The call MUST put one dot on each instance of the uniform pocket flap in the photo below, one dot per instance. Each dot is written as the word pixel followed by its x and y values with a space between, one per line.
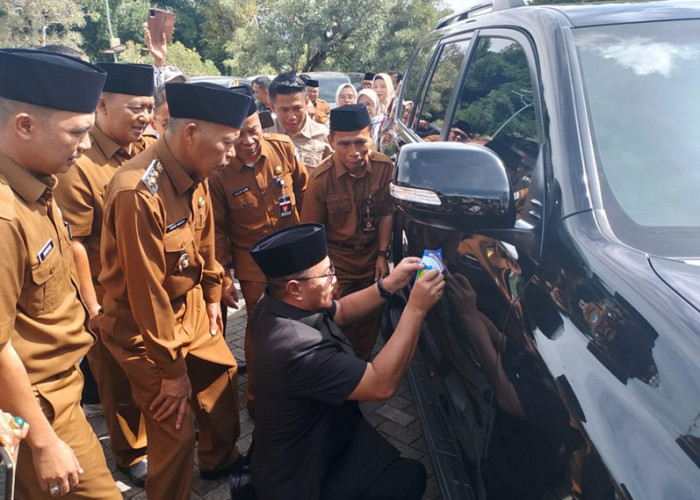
pixel 177 240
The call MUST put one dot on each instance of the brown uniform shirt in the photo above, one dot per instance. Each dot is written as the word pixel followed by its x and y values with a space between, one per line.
pixel 247 205
pixel 80 191
pixel 343 203
pixel 40 310
pixel 323 111
pixel 157 246
pixel 311 142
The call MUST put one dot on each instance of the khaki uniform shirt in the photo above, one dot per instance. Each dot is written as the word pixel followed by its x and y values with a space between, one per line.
pixel 323 111
pixel 342 202
pixel 40 310
pixel 311 142
pixel 80 191
pixel 246 203
pixel 157 247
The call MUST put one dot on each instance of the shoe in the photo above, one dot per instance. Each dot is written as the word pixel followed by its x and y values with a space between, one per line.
pixel 238 466
pixel 92 410
pixel 136 473
pixel 241 486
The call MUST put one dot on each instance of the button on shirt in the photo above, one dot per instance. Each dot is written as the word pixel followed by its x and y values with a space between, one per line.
pixel 302 417
pixel 311 142
pixel 40 310
pixel 80 191
pixel 247 202
pixel 156 247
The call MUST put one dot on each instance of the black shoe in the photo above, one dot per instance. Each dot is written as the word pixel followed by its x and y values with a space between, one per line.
pixel 136 473
pixel 241 486
pixel 240 465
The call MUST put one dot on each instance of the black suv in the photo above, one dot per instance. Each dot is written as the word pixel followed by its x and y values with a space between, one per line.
pixel 552 154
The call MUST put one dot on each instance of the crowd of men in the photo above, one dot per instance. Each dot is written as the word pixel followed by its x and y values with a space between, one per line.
pixel 125 212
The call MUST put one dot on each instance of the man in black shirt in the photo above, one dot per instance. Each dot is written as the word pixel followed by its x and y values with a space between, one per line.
pixel 310 440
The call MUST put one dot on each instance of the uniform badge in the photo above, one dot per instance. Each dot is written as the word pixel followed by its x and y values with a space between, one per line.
pixel 285 204
pixel 45 250
pixel 279 170
pixel 175 225
pixel 202 202
pixel 240 191
pixel 184 262
pixel 151 177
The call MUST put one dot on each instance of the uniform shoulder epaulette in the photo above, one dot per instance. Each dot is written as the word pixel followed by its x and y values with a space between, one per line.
pixel 7 200
pixel 271 136
pixel 380 157
pixel 149 137
pixel 151 178
pixel 325 165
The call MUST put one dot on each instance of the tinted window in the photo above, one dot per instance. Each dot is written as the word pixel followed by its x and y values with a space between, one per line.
pixel 641 84
pixel 441 88
pixel 496 109
pixel 414 78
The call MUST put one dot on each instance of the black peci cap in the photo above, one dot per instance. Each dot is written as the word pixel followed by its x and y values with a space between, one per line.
pixel 132 79
pixel 50 80
pixel 290 250
pixel 246 90
pixel 208 102
pixel 312 83
pixel 349 118
pixel 368 76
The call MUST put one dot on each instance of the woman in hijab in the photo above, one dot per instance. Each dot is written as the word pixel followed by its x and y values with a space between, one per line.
pixel 369 98
pixel 385 91
pixel 345 94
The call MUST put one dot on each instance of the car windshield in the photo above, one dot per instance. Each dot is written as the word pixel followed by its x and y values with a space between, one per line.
pixel 641 84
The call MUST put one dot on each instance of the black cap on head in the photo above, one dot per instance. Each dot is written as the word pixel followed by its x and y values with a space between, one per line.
pixel 290 250
pixel 349 118
pixel 246 90
pixel 368 76
pixel 132 79
pixel 50 80
pixel 208 102
pixel 312 83
pixel 462 125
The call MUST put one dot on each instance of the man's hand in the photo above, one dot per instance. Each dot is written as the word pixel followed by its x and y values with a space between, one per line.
pixel 216 322
pixel 402 274
pixel 157 49
pixel 56 465
pixel 230 296
pixel 173 399
pixel 427 291
pixel 381 268
pixel 10 434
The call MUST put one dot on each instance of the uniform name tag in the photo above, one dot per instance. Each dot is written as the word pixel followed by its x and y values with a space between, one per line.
pixel 175 225
pixel 45 250
pixel 240 191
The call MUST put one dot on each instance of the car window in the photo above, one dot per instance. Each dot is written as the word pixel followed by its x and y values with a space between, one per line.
pixel 414 78
pixel 496 109
pixel 440 90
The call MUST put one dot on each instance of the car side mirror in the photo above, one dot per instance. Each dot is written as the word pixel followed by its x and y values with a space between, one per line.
pixel 453 185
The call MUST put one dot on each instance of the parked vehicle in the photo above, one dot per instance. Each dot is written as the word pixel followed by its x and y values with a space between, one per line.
pixel 224 81
pixel 328 82
pixel 551 153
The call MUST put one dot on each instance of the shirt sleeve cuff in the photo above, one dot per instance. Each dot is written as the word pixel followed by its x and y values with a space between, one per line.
pixel 173 370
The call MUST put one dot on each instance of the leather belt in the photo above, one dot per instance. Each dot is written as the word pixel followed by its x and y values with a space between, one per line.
pixel 348 246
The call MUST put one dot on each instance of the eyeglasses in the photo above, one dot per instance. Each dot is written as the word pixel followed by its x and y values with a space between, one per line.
pixel 346 97
pixel 329 274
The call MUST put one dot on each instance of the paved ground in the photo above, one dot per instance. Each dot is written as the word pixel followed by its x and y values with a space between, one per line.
pixel 396 419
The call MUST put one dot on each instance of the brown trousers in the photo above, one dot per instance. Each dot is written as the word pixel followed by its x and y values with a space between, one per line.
pixel 362 333
pixel 60 401
pixel 214 404
pixel 252 291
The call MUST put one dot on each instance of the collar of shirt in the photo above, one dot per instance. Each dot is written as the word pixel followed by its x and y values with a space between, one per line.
pixel 237 163
pixel 339 169
pixel 182 181
pixel 29 186
pixel 310 318
pixel 109 148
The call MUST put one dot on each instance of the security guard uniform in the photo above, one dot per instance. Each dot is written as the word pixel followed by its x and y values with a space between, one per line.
pixel 311 142
pixel 158 271
pixel 249 202
pixel 350 207
pixel 80 194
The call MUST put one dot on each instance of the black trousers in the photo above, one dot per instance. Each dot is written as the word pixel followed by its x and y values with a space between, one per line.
pixel 402 480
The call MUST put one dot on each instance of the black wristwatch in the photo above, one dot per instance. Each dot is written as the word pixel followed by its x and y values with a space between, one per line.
pixel 383 253
pixel 385 294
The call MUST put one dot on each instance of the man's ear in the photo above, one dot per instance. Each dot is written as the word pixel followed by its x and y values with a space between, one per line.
pixel 330 140
pixel 190 132
pixel 293 290
pixel 101 106
pixel 24 125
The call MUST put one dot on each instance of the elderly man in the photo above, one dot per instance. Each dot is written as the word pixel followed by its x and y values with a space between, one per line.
pixel 287 93
pixel 123 112
pixel 46 110
pixel 258 192
pixel 349 193
pixel 162 320
pixel 310 437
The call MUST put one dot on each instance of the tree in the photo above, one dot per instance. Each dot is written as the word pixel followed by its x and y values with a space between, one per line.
pixel 188 60
pixel 32 23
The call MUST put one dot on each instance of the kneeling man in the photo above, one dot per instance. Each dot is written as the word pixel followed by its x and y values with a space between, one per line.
pixel 310 437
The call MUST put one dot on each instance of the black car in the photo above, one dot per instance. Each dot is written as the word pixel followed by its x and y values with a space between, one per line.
pixel 562 179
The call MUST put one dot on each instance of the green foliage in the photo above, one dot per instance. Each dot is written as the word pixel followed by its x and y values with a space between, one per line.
pixel 32 23
pixel 188 60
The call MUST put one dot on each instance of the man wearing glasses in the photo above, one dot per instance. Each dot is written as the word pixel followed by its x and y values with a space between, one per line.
pixel 310 437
